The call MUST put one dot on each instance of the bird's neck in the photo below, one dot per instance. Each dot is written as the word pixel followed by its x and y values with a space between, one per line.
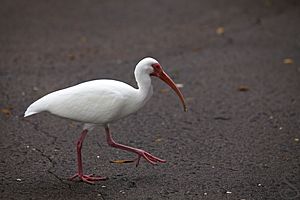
pixel 144 86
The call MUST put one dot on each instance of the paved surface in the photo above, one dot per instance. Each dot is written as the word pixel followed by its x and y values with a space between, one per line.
pixel 231 144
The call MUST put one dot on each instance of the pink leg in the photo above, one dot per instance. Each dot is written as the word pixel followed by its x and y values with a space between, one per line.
pixel 86 178
pixel 141 153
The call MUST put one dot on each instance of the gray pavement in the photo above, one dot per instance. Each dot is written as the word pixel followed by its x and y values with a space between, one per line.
pixel 238 62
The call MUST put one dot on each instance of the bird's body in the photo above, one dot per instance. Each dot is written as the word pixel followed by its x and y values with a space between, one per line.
pixel 94 102
pixel 101 102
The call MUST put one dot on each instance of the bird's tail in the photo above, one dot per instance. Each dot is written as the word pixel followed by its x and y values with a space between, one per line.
pixel 36 107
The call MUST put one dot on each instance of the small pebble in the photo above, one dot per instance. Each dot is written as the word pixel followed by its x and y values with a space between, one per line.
pixel 259 185
pixel 98 156
pixel 18 179
pixel 228 192
pixel 103 186
pixel 179 85
pixel 27 146
pixel 35 88
pixel 124 179
pixel 280 128
pixel 205 193
pixel 296 139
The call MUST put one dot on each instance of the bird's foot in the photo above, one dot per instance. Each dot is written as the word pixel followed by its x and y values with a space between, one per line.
pixel 141 153
pixel 148 157
pixel 87 178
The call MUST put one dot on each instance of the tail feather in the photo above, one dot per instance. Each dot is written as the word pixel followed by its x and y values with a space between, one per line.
pixel 28 113
pixel 36 107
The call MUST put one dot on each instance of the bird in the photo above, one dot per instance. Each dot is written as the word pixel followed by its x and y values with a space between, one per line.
pixel 102 102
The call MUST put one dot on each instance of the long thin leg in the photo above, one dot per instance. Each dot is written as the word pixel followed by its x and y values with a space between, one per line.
pixel 85 178
pixel 141 153
pixel 79 147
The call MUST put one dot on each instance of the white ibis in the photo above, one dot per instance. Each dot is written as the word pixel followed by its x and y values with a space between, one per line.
pixel 101 102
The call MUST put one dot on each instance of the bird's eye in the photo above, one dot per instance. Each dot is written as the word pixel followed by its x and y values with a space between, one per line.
pixel 155 66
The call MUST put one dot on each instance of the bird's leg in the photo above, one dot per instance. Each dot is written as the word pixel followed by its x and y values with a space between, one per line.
pixel 141 153
pixel 86 178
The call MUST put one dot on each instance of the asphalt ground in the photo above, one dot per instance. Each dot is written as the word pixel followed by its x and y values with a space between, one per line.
pixel 238 62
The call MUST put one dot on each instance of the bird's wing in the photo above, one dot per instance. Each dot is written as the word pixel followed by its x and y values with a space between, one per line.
pixel 93 102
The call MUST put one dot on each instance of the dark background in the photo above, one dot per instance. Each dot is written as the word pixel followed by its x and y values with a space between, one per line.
pixel 238 62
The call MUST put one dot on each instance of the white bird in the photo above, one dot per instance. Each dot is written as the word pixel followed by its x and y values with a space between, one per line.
pixel 101 102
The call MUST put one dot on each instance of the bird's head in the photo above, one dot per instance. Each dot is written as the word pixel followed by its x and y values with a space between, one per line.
pixel 153 68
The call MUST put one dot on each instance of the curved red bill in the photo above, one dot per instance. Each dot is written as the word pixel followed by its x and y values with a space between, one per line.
pixel 164 77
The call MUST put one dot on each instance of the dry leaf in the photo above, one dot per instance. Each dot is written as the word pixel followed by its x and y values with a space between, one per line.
pixel 164 90
pixel 71 56
pixel 121 161
pixel 72 125
pixel 196 49
pixel 7 111
pixel 220 30
pixel 243 88
pixel 288 61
